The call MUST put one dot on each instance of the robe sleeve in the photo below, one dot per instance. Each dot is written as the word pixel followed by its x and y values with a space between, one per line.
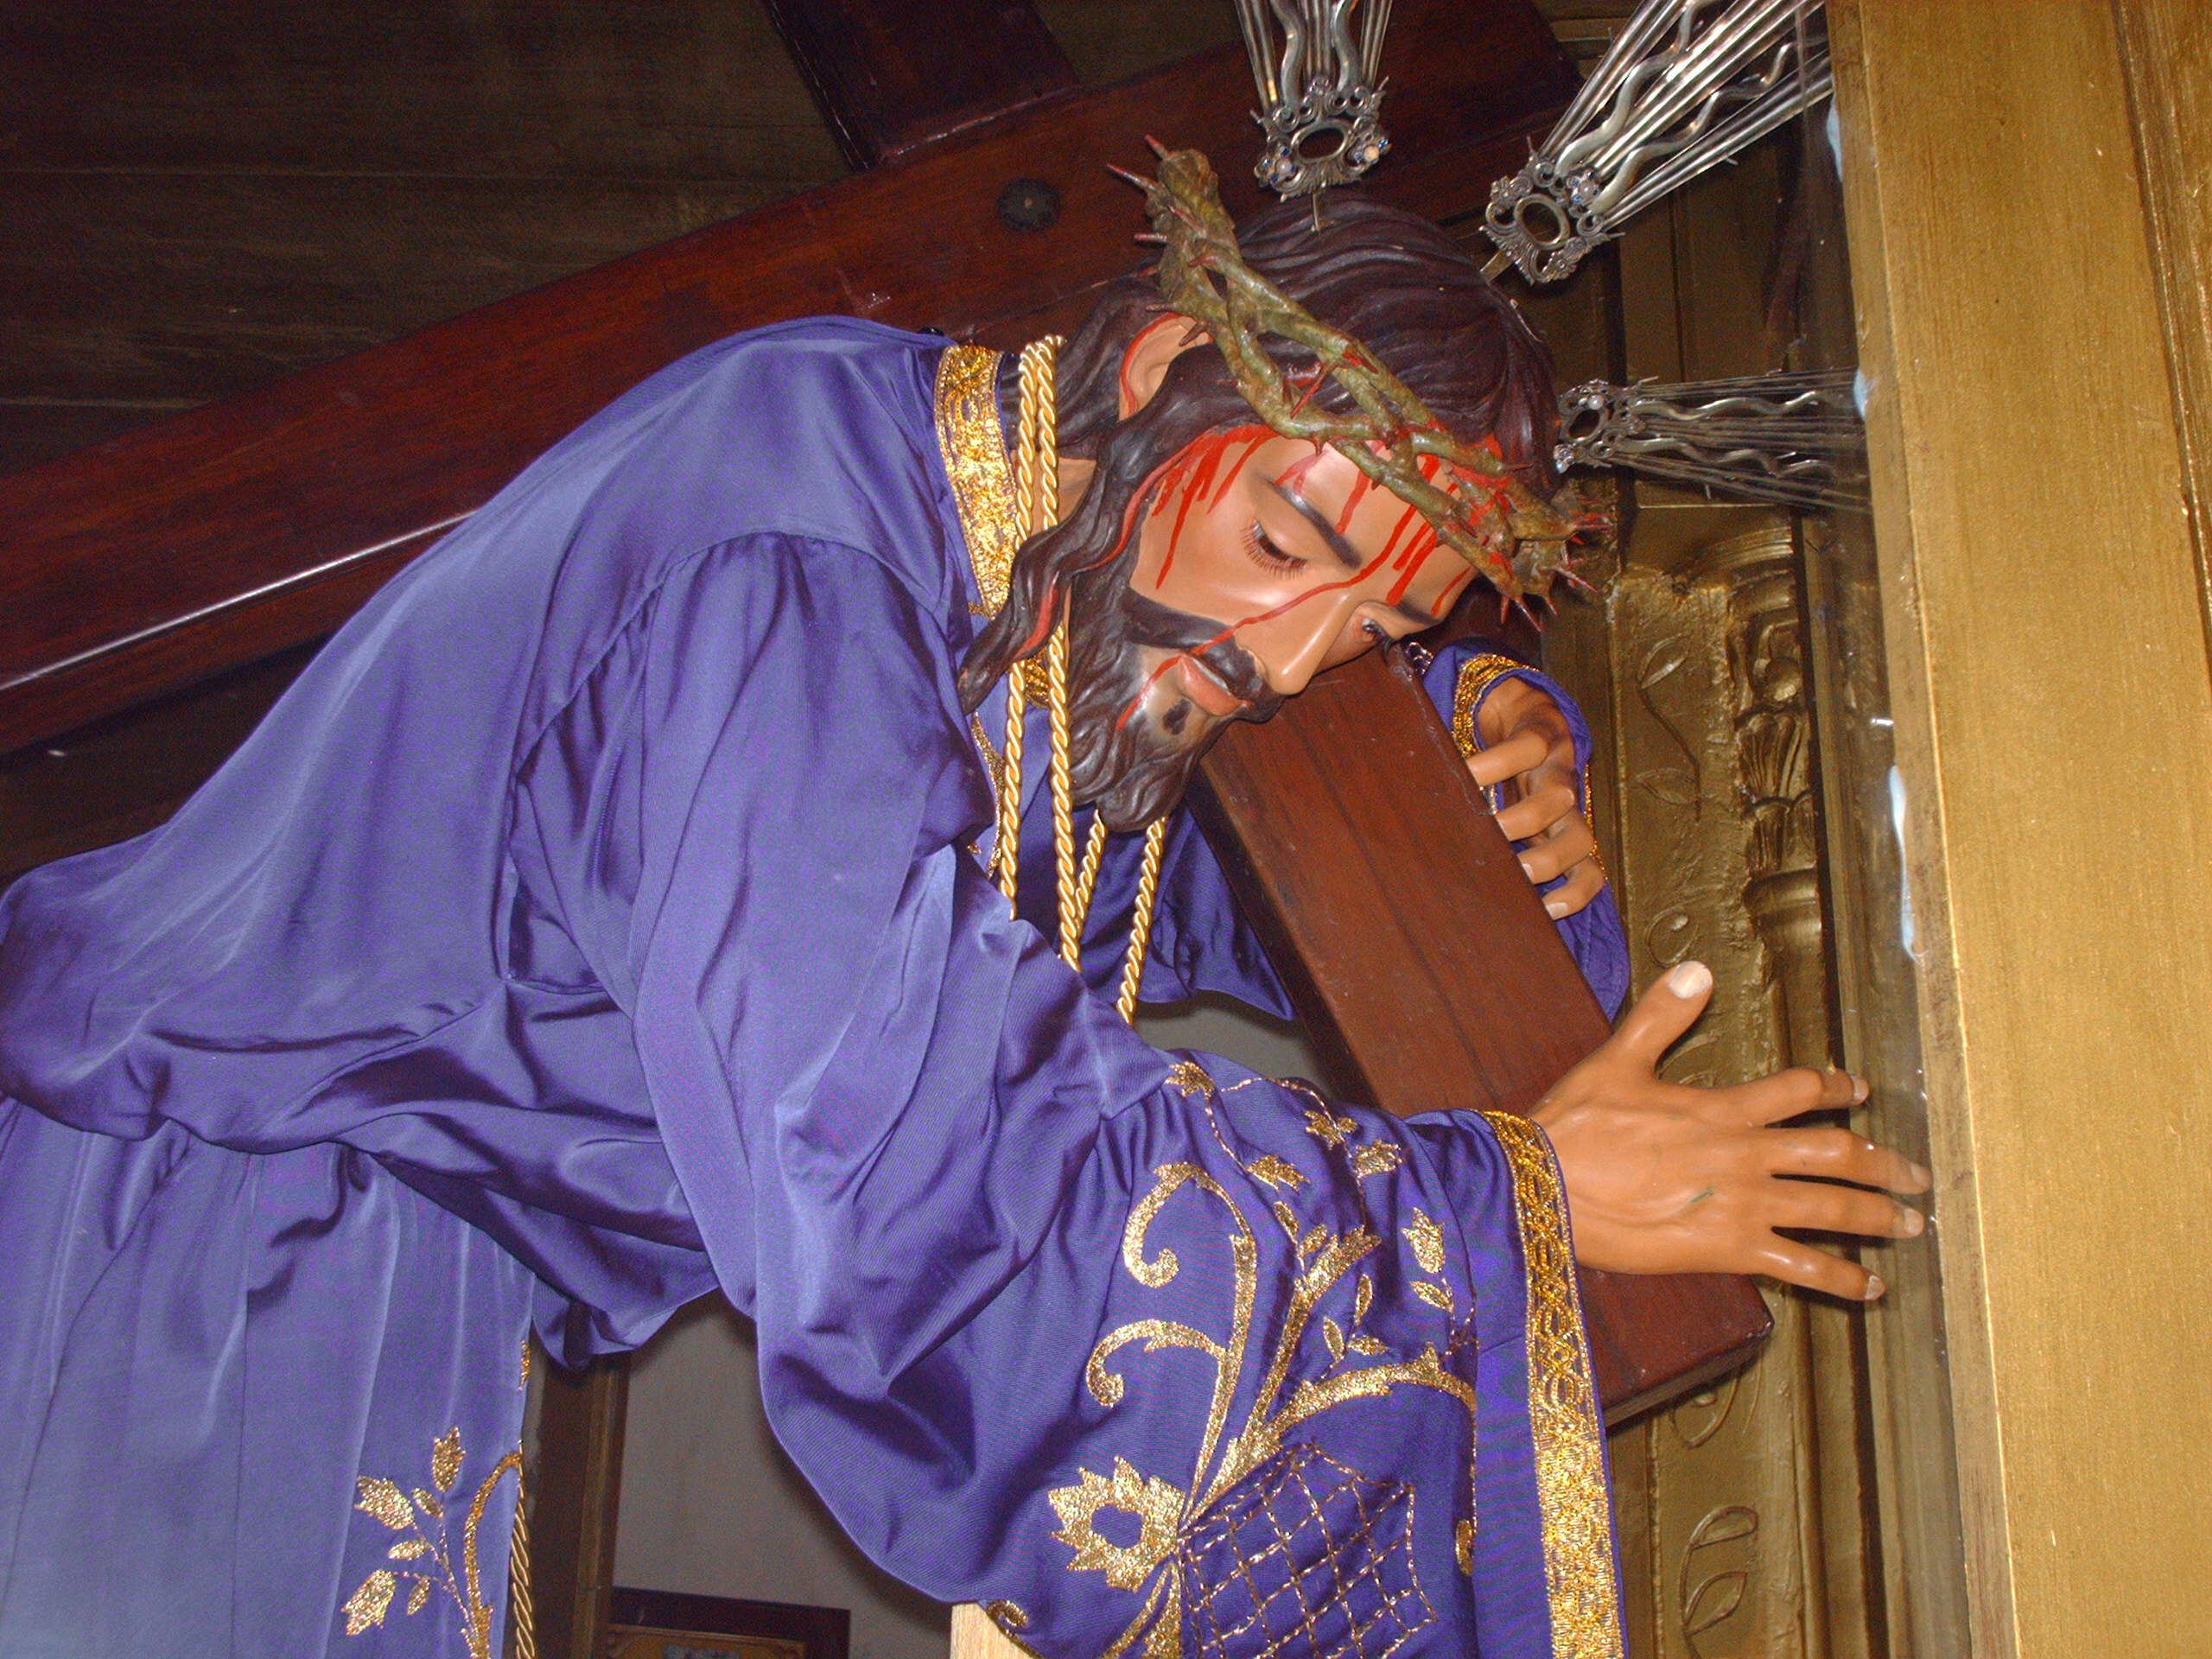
pixel 1141 1352
pixel 1461 678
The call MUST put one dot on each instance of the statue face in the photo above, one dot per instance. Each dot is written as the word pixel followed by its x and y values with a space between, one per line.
pixel 1261 561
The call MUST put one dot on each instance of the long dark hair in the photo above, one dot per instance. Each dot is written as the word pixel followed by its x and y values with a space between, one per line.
pixel 1389 278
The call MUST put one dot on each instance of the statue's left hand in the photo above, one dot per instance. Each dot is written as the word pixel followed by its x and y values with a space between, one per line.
pixel 1526 741
pixel 1664 1178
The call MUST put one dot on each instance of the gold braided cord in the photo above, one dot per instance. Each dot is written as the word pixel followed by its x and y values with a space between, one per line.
pixel 1064 869
pixel 1155 844
pixel 1006 851
pixel 1036 501
pixel 522 1609
pixel 1094 853
pixel 1037 488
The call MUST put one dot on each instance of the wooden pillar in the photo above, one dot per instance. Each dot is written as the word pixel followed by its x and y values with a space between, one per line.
pixel 2046 652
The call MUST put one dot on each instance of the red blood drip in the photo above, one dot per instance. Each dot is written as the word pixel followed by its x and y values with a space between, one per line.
pixel 1193 478
pixel 1361 483
pixel 1294 476
pixel 1397 530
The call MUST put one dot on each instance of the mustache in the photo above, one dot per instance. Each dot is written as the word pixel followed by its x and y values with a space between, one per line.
pixel 1147 622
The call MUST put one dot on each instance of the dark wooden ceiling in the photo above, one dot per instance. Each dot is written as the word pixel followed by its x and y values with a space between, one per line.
pixel 197 197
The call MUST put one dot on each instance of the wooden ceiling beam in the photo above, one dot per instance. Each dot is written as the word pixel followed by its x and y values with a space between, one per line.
pixel 894 78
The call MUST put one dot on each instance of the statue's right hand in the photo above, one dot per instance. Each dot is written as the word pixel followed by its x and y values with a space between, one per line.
pixel 1664 1178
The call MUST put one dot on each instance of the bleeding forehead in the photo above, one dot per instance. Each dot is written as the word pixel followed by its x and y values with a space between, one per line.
pixel 1399 549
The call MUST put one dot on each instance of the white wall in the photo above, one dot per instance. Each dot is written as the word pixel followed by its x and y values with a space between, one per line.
pixel 711 1505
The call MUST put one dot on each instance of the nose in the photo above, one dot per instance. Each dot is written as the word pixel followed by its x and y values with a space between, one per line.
pixel 1292 647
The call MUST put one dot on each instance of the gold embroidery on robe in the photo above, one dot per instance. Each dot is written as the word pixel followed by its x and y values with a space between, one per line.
pixel 1578 1522
pixel 1242 1542
pixel 973 446
pixel 426 1555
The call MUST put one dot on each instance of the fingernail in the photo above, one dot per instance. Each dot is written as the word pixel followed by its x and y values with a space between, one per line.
pixel 1528 869
pixel 1915 1223
pixel 1860 1089
pixel 1922 1176
pixel 1554 908
pixel 1873 1287
pixel 1690 979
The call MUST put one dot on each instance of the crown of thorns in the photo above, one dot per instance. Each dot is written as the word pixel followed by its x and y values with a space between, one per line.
pixel 1510 534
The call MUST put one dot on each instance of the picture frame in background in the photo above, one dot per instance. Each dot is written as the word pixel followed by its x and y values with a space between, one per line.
pixel 663 1624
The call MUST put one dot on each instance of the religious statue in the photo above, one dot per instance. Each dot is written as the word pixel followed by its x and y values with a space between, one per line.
pixel 714 866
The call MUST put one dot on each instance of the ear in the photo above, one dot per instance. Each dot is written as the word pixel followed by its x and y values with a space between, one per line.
pixel 1144 366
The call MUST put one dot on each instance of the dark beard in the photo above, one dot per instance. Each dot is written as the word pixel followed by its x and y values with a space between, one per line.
pixel 1139 772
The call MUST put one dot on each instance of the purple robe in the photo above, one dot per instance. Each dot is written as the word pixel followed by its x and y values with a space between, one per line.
pixel 593 925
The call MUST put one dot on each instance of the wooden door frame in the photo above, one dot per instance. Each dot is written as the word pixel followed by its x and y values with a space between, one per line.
pixel 2040 592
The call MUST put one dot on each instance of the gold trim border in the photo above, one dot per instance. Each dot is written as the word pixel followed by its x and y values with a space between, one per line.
pixel 1563 1421
pixel 974 447
pixel 1477 676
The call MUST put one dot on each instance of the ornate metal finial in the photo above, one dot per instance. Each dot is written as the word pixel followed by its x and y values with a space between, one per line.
pixel 1796 439
pixel 1687 83
pixel 1319 92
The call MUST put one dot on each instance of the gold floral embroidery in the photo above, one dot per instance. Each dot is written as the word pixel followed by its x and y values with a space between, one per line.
pixel 1563 1417
pixel 1328 1128
pixel 1427 1239
pixel 1253 1495
pixel 375 1496
pixel 1378 1158
pixel 1157 1506
pixel 1189 1078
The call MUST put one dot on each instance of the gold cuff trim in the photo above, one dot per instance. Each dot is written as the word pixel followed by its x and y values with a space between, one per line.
pixel 1477 676
pixel 1563 1421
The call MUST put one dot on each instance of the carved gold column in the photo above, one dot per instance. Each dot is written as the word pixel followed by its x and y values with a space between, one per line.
pixel 1746 1497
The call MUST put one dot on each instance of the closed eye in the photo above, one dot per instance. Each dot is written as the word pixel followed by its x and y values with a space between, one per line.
pixel 1270 557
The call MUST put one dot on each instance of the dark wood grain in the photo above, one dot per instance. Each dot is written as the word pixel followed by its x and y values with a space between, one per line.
pixel 893 78
pixel 233 530
pixel 574 1497
pixel 526 89
pixel 133 286
pixel 1424 967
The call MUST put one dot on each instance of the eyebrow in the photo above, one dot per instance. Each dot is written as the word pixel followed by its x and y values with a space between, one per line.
pixel 1343 549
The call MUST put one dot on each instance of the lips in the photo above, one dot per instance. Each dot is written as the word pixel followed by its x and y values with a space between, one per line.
pixel 1200 685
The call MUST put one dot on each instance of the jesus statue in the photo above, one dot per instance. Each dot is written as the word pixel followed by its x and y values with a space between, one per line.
pixel 723 865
